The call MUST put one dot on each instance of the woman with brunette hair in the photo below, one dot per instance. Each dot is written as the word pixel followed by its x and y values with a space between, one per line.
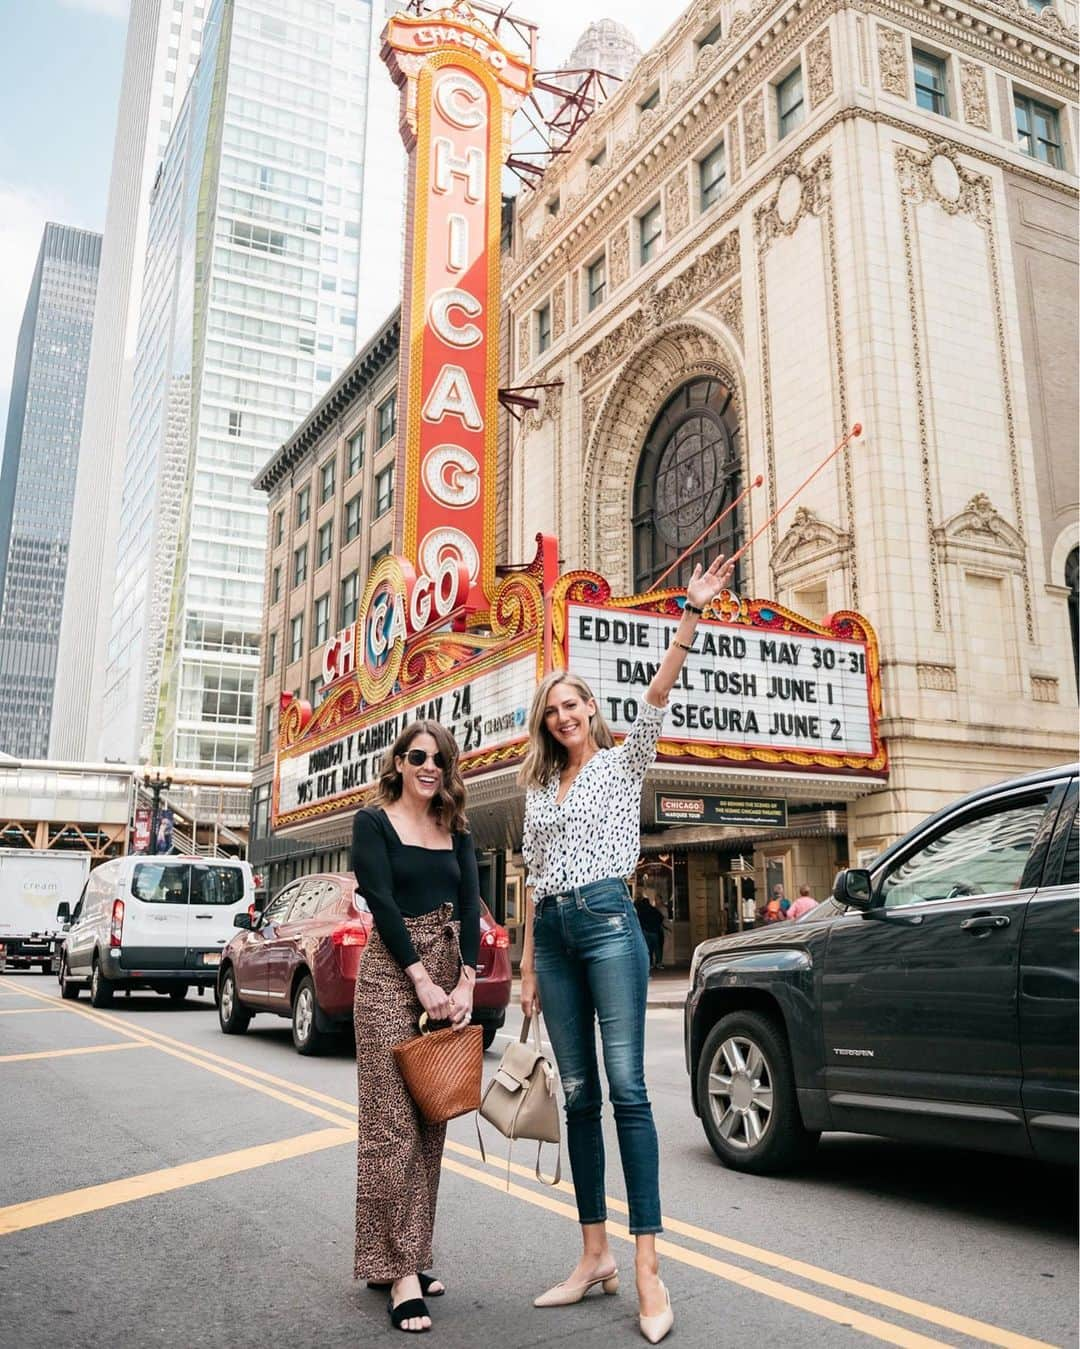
pixel 415 865
pixel 584 955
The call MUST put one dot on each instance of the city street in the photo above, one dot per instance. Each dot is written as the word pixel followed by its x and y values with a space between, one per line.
pixel 166 1185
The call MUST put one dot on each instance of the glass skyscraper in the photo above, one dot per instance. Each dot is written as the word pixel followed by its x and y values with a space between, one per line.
pixel 37 479
pixel 250 310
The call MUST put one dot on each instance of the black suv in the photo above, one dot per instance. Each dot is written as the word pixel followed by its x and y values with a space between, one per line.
pixel 933 997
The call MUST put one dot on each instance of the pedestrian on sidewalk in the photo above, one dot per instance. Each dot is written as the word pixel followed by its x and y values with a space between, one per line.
pixel 585 959
pixel 415 865
pixel 652 927
pixel 802 905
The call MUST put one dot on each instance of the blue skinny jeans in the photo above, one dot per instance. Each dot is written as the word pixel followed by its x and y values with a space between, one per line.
pixel 592 964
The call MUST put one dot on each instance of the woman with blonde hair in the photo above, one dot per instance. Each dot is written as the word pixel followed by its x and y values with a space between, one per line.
pixel 584 957
pixel 415 865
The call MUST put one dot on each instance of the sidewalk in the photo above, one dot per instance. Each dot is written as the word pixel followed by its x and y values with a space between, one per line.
pixel 666 989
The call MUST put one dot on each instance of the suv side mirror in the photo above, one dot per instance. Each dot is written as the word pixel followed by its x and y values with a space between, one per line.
pixel 63 911
pixel 242 920
pixel 854 888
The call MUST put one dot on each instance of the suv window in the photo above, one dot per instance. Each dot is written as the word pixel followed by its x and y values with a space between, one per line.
pixel 217 885
pixel 308 902
pixel 983 854
pixel 1070 870
pixel 278 908
pixel 330 897
pixel 161 883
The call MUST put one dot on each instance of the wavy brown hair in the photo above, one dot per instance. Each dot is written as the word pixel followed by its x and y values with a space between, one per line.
pixel 448 803
pixel 546 757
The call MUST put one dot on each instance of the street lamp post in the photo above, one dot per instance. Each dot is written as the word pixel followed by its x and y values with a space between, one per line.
pixel 157 785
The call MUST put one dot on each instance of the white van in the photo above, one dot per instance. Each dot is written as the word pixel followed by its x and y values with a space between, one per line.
pixel 152 922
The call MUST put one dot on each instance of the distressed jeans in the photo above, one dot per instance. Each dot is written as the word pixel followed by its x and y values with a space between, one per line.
pixel 592 965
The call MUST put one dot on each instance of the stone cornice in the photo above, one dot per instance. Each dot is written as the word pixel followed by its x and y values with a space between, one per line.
pixel 750 52
pixel 551 264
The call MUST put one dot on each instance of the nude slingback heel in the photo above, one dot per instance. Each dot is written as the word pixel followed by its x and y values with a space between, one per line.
pixel 566 1294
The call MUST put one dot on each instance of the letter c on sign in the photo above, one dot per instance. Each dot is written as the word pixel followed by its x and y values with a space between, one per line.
pixel 461 100
pixel 439 307
pixel 452 476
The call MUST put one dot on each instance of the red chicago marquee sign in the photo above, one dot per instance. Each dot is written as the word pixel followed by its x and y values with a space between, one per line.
pixel 460 88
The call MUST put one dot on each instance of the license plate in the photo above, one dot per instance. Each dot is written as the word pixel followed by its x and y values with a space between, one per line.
pixel 211 958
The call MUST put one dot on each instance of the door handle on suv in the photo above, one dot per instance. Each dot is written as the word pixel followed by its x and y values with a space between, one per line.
pixel 983 922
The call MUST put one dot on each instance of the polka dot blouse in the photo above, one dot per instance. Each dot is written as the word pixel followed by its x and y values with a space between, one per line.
pixel 595 833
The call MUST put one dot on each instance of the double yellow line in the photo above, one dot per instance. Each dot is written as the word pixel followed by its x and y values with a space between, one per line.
pixel 341 1115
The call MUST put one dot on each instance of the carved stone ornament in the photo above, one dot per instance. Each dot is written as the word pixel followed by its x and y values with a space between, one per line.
pixel 590 406
pixel 981 528
pixel 754 126
pixel 575 298
pixel 550 402
pixel 558 311
pixel 619 255
pixel 892 60
pixel 676 204
pixel 524 351
pixel 808 538
pixel 958 191
pixel 819 69
pixel 939 678
pixel 1044 689
pixel 728 309
pixel 973 93
pixel 661 304
pixel 733 152
pixel 802 191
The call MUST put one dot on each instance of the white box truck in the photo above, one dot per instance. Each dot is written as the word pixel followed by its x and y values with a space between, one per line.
pixel 32 884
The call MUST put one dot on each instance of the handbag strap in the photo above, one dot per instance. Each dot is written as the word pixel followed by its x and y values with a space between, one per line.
pixel 510 1152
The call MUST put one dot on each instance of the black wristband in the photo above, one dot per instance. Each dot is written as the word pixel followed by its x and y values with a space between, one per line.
pixel 689 608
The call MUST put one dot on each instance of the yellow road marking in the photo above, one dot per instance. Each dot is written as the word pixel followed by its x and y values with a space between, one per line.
pixel 54 1208
pixel 66 1053
pixel 18 1011
pixel 794 1297
pixel 940 1316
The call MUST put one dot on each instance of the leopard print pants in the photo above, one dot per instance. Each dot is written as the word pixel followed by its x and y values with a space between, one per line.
pixel 399 1154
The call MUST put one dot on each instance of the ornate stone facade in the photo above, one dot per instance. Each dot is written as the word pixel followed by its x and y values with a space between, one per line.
pixel 818 302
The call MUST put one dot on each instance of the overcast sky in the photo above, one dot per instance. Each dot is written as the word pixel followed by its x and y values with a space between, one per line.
pixel 60 67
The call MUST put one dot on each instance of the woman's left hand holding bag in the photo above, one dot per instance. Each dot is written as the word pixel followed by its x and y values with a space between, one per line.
pixel 461 1001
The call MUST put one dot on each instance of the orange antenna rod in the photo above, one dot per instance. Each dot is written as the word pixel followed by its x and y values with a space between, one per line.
pixel 705 533
pixel 853 434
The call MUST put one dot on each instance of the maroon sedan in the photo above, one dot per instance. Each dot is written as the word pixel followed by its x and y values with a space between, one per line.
pixel 299 958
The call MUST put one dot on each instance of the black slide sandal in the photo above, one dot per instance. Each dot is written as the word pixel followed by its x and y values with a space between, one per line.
pixel 406 1311
pixel 426 1280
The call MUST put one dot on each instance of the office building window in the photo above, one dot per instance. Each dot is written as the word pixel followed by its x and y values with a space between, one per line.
pixel 649 230
pixel 931 91
pixel 275 585
pixel 326 481
pixel 712 176
pixel 299 567
pixel 596 278
pixel 650 101
pixel 271 654
pixel 350 599
pixel 279 527
pixel 268 728
pixel 599 159
pixel 352 518
pixel 384 490
pixel 296 638
pixel 380 552
pixel 714 35
pixel 543 327
pixel 303 505
pixel 326 542
pixel 322 620
pixel 387 420
pixel 315 691
pixel 789 102
pixel 1038 130
pixel 356 452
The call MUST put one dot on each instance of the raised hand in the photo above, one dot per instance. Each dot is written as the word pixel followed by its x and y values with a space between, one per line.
pixel 704 587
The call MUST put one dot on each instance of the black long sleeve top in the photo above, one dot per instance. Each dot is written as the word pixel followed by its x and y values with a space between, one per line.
pixel 402 880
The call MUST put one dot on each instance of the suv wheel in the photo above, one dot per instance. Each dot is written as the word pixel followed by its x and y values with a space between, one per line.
pixel 101 989
pixel 306 1035
pixel 233 1016
pixel 69 989
pixel 746 1090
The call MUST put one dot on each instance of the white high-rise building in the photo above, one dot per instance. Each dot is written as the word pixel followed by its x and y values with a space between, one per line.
pixel 250 309
pixel 162 48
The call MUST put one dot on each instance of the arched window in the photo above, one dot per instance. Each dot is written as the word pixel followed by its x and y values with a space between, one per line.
pixel 688 473
pixel 1072 580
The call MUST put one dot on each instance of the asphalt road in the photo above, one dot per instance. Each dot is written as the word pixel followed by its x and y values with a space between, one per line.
pixel 164 1185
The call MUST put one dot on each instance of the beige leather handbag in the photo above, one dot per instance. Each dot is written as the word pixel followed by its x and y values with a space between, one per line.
pixel 521 1102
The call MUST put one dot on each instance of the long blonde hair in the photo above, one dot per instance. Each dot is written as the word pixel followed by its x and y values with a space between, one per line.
pixel 546 757
pixel 448 804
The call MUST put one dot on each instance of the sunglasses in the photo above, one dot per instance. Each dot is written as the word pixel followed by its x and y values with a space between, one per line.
pixel 419 757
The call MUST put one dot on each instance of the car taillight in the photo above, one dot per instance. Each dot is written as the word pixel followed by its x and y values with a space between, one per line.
pixel 496 936
pixel 116 930
pixel 350 935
